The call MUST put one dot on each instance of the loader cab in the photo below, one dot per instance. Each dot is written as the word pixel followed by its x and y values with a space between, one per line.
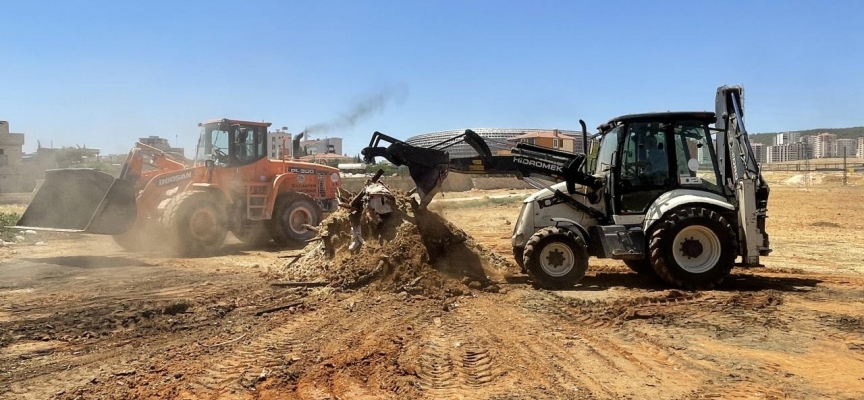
pixel 643 156
pixel 231 143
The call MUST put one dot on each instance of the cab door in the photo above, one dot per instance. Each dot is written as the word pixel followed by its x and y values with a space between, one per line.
pixel 643 172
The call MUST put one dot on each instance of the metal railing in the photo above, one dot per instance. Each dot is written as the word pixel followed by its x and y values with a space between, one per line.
pixel 802 166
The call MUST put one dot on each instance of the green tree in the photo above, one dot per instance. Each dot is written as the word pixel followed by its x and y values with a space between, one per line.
pixel 68 157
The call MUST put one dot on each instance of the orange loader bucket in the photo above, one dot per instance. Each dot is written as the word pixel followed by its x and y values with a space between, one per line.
pixel 82 200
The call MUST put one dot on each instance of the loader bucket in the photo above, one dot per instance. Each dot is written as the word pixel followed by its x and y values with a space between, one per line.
pixel 82 200
pixel 427 167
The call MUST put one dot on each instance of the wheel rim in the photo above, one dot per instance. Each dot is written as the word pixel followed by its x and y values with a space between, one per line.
pixel 297 218
pixel 557 259
pixel 202 223
pixel 696 249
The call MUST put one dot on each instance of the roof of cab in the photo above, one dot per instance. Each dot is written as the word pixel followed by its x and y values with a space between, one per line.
pixel 706 116
pixel 236 121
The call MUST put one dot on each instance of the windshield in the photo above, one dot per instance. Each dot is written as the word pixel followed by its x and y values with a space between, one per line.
pixel 212 145
pixel 607 147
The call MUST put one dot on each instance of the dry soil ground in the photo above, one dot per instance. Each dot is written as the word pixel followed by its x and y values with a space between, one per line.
pixel 81 319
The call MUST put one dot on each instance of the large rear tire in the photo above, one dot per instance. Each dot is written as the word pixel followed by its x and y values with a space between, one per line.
pixel 693 248
pixel 290 213
pixel 555 258
pixel 196 223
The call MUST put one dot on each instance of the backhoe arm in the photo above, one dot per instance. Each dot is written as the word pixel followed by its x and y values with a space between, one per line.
pixel 741 174
pixel 428 166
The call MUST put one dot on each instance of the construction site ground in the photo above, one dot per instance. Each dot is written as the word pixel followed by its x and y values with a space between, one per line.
pixel 79 318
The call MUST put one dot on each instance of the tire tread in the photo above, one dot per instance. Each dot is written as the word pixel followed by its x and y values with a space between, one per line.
pixel 666 231
pixel 531 247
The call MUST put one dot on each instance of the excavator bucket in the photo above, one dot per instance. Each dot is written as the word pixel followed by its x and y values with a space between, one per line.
pixel 427 167
pixel 82 200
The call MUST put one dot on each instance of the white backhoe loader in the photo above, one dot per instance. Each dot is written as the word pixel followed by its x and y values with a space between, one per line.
pixel 667 193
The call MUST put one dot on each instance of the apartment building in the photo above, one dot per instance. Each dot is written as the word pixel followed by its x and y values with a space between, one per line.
pixel 10 159
pixel 786 152
pixel 823 145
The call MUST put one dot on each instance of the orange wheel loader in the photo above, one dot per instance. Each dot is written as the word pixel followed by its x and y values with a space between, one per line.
pixel 158 202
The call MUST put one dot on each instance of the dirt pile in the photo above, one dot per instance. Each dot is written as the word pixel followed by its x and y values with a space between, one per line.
pixel 409 250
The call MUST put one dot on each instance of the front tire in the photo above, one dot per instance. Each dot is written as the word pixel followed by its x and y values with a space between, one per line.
pixel 290 213
pixel 556 258
pixel 255 234
pixel 693 248
pixel 141 237
pixel 196 223
pixel 518 256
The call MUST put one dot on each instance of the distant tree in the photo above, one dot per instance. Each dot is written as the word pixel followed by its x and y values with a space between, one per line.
pixel 75 157
pixel 68 157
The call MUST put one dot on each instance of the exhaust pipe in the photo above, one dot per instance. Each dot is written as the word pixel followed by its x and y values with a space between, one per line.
pixel 295 145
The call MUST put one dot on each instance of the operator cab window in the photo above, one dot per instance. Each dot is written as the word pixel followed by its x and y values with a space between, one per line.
pixel 249 143
pixel 695 157
pixel 644 172
pixel 645 160
pixel 213 145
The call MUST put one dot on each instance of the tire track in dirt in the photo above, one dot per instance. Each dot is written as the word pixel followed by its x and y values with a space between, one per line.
pixel 235 371
pixel 65 374
pixel 541 360
pixel 793 352
pixel 737 391
pixel 437 370
pixel 454 358
pixel 630 358
pixel 335 352
pixel 358 350
pixel 748 319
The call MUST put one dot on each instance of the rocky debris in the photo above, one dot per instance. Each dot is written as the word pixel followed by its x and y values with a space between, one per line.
pixel 406 250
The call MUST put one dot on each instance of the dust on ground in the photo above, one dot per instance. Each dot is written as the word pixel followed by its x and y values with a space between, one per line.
pixel 81 319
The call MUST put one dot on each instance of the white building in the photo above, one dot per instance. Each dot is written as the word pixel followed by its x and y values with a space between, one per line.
pixel 849 147
pixel 860 152
pixel 786 152
pixel 787 138
pixel 823 145
pixel 161 144
pixel 322 146
pixel 703 155
pixel 280 144
pixel 760 152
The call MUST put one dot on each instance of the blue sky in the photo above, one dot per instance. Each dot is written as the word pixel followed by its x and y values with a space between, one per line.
pixel 103 73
